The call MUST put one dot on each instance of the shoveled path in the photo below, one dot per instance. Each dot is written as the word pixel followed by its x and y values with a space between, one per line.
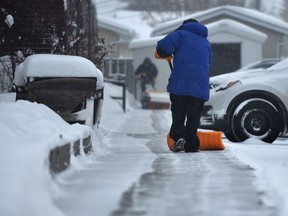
pixel 208 183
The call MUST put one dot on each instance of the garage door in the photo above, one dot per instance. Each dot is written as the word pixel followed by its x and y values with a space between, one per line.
pixel 226 58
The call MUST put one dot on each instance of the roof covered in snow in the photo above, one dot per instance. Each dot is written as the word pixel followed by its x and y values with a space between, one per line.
pixel 236 28
pixel 241 13
pixel 224 25
pixel 144 42
pixel 124 32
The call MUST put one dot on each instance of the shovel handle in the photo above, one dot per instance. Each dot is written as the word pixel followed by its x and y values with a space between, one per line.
pixel 168 59
pixel 170 64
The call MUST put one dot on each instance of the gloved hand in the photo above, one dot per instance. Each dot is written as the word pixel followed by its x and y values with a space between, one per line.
pixel 168 58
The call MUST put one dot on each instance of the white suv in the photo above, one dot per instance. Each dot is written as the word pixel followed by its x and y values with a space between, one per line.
pixel 249 104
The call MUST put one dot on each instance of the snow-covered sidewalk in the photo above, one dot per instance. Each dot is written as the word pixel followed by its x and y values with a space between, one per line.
pixel 96 188
pixel 138 176
pixel 98 182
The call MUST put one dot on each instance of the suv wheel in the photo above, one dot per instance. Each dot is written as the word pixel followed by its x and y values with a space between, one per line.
pixel 256 118
pixel 230 136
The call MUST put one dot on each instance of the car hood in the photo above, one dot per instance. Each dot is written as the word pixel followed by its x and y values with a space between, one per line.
pixel 223 79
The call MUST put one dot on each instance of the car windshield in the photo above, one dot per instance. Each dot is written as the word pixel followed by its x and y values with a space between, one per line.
pixel 282 64
pixel 263 64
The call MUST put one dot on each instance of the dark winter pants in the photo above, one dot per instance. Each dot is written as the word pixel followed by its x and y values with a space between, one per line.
pixel 186 108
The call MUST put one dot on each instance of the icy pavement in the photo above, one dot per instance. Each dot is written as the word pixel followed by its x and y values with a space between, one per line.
pixel 141 177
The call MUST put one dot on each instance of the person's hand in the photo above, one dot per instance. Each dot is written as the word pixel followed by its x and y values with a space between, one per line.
pixel 168 58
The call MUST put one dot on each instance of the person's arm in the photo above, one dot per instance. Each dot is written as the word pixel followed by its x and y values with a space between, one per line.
pixel 161 52
pixel 167 46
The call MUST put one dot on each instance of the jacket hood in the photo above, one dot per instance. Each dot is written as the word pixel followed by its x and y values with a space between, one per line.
pixel 196 28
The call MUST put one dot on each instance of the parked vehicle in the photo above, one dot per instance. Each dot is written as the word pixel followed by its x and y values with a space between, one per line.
pixel 71 86
pixel 261 64
pixel 245 71
pixel 253 105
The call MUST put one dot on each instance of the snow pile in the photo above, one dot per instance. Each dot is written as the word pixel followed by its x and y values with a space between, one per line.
pixel 47 65
pixel 28 131
pixel 158 96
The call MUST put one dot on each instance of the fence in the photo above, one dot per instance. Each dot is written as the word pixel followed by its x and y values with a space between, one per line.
pixel 123 97
pixel 120 71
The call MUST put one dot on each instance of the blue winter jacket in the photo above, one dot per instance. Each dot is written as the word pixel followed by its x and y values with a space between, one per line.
pixel 191 59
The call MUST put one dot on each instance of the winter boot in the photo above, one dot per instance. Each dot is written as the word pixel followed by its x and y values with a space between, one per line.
pixel 189 147
pixel 179 145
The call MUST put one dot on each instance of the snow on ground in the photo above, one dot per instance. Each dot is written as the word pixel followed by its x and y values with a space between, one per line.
pixel 270 162
pixel 24 167
pixel 28 131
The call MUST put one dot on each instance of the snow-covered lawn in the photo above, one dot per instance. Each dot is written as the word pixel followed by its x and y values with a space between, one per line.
pixel 29 130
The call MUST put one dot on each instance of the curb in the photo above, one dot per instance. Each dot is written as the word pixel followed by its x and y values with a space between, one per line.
pixel 59 157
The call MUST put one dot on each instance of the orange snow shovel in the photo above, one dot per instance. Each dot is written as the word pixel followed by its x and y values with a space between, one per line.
pixel 209 140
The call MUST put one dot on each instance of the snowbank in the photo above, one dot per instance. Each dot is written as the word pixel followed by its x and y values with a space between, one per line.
pixel 28 131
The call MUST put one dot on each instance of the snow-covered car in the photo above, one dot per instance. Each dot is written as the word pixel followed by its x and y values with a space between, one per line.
pixel 254 105
pixel 245 71
pixel 261 64
pixel 72 86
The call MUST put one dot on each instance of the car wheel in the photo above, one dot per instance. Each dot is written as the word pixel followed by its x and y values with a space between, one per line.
pixel 230 136
pixel 256 118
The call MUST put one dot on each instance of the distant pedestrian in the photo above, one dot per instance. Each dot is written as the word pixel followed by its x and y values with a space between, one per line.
pixel 147 73
pixel 189 81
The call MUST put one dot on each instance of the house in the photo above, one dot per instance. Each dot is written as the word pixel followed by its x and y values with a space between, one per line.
pixel 120 61
pixel 117 35
pixel 238 35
